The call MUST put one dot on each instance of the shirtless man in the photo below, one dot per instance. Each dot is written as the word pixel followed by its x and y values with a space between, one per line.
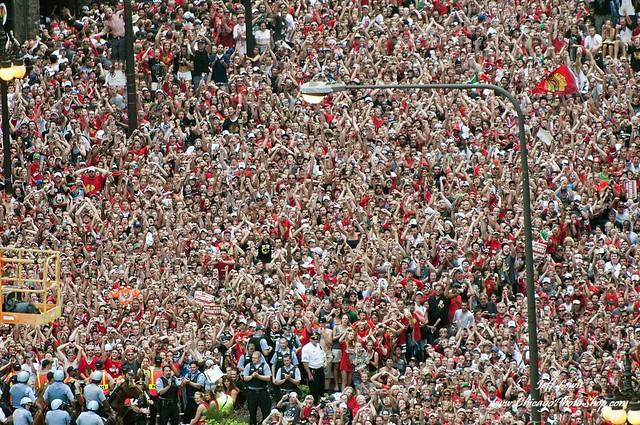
pixel 114 24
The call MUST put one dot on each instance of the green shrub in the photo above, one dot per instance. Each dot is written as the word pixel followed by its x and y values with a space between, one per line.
pixel 226 421
pixel 305 390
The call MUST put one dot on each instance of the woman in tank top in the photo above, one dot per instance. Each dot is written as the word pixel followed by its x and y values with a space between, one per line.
pixel 201 411
pixel 336 348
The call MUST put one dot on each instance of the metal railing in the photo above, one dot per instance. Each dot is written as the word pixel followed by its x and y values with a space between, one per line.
pixel 30 276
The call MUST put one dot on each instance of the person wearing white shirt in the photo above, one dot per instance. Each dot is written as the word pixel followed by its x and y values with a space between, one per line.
pixel 593 43
pixel 263 37
pixel 240 35
pixel 613 266
pixel 313 361
pixel 463 318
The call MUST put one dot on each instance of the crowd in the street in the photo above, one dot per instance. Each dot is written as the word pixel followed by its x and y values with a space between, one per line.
pixel 359 261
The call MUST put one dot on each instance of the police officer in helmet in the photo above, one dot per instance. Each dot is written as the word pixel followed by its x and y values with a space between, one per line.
pixel 90 417
pixel 93 392
pixel 22 415
pixel 59 390
pixel 21 390
pixel 57 416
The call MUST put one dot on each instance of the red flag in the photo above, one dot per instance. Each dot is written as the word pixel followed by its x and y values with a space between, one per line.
pixel 560 81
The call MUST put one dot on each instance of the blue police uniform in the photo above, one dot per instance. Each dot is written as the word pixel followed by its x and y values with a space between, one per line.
pixel 57 417
pixel 89 418
pixel 22 416
pixel 18 392
pixel 168 408
pixel 93 392
pixel 257 395
pixel 59 390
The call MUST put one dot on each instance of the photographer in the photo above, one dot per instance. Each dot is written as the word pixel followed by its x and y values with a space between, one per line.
pixel 290 407
pixel 168 387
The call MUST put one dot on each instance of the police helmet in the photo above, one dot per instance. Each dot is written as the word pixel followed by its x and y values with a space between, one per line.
pixel 23 376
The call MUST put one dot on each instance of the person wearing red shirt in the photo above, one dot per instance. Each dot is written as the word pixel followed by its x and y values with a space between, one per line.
pixel 113 364
pixel 93 179
pixel 224 263
pixel 243 331
pixel 88 361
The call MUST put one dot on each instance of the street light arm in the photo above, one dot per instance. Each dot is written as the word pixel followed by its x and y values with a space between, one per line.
pixel 315 92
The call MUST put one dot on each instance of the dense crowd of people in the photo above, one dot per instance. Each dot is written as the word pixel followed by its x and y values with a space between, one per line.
pixel 359 261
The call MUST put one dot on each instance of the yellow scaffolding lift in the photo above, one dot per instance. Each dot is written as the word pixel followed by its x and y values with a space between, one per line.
pixel 30 276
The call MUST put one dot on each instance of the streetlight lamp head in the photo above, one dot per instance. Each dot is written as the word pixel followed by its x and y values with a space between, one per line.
pixel 315 91
pixel 606 410
pixel 6 71
pixel 19 70
pixel 618 415
pixel 313 98
pixel 633 416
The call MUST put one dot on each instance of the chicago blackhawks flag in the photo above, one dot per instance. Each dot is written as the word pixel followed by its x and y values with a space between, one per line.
pixel 561 81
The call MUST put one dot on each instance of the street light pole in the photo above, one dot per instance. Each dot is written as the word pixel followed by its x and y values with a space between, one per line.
pixel 6 137
pixel 248 22
pixel 8 71
pixel 316 91
pixel 130 70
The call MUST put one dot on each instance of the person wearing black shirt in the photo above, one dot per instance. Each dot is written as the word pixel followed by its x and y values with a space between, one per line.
pixel 219 66
pixel 183 64
pixel 232 122
pixel 486 308
pixel 265 249
pixel 157 69
pixel 601 12
pixel 201 62
pixel 634 54
pixel 438 311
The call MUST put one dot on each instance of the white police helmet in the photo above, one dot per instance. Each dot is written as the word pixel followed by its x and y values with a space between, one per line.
pixel 23 376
